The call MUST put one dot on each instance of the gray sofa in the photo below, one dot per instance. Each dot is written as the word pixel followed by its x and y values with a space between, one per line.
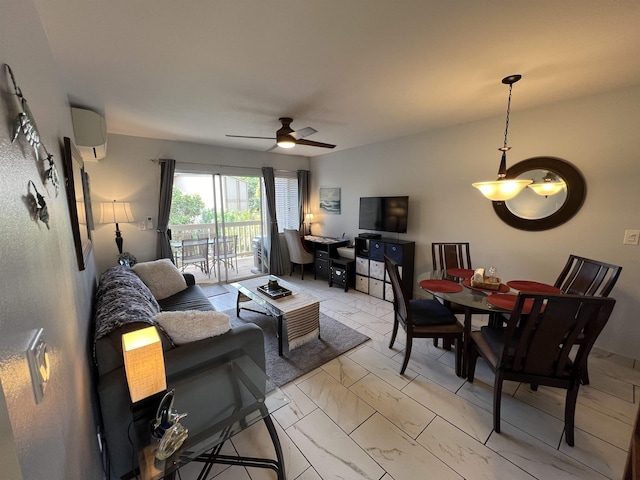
pixel 123 303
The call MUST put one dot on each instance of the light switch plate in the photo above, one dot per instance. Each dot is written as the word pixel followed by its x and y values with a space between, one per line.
pixel 631 237
pixel 38 359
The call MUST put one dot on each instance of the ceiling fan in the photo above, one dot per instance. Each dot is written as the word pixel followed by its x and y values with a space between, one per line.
pixel 287 137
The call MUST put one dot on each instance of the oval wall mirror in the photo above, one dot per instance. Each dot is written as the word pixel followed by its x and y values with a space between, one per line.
pixel 556 194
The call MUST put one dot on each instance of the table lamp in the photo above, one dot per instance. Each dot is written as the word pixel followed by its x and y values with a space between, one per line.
pixel 143 363
pixel 308 218
pixel 116 212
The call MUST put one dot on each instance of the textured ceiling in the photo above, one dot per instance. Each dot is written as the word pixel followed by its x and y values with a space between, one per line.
pixel 358 71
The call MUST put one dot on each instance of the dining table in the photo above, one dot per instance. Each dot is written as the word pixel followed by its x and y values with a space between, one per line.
pixel 455 287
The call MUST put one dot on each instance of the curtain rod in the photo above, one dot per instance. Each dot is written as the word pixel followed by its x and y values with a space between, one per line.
pixel 155 160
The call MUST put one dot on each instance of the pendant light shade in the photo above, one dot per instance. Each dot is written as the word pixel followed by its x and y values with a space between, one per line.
pixel 502 188
pixel 550 185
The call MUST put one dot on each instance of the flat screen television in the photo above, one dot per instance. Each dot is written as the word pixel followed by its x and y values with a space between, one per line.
pixel 384 214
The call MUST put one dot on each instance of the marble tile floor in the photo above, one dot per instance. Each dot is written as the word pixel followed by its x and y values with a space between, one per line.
pixel 357 418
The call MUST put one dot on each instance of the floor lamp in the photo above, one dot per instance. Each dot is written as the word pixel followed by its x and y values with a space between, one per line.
pixel 116 212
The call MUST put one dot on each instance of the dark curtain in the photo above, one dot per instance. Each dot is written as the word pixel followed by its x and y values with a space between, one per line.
pixel 163 248
pixel 275 256
pixel 303 196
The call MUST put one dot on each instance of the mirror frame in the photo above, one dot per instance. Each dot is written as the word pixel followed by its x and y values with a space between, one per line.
pixel 76 180
pixel 576 193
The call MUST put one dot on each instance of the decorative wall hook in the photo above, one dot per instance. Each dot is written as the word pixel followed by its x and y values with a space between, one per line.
pixel 37 205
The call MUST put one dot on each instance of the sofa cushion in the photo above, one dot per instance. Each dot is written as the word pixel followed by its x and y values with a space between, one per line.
pixel 191 298
pixel 193 325
pixel 161 276
pixel 122 298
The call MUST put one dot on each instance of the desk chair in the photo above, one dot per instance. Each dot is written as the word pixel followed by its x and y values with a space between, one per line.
pixel 421 318
pixel 535 347
pixel 298 254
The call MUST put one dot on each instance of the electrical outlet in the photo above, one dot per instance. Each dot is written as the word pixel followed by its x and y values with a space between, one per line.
pixel 631 237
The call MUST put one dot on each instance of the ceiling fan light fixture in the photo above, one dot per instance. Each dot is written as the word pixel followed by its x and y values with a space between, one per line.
pixel 286 141
pixel 503 189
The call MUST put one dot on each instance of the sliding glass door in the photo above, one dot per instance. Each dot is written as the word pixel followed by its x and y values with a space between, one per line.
pixel 226 210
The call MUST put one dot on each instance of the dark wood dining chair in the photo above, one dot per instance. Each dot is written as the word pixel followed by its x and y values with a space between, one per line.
pixel 450 255
pixel 421 318
pixel 583 276
pixel 535 346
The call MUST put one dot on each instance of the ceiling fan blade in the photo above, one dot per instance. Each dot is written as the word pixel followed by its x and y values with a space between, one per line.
pixel 245 136
pixel 311 143
pixel 303 132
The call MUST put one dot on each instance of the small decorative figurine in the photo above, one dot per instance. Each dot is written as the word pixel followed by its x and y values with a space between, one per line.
pixel 37 205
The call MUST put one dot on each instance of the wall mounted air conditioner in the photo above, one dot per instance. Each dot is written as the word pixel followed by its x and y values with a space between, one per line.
pixel 90 131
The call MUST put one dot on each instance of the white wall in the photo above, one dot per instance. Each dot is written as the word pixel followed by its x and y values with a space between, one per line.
pixel 128 174
pixel 598 134
pixel 41 285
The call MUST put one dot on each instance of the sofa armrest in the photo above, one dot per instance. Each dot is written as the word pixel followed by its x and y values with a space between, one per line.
pixel 189 278
pixel 248 338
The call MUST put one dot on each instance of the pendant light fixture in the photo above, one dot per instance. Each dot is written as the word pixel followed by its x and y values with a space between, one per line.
pixel 550 185
pixel 502 188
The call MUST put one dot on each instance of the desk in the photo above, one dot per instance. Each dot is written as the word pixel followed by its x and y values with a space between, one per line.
pixel 473 301
pixel 324 249
pixel 221 398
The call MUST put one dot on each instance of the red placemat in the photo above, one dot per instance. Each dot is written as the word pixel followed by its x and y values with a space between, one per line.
pixel 501 289
pixel 460 272
pixel 444 286
pixel 508 301
pixel 536 287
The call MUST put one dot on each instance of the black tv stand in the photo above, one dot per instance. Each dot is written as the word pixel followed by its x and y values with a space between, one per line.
pixel 370 235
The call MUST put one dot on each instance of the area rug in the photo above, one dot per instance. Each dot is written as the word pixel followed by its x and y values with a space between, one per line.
pixel 336 338
pixel 213 289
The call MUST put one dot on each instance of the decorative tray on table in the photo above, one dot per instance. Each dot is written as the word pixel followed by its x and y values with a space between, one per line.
pixel 275 292
pixel 485 286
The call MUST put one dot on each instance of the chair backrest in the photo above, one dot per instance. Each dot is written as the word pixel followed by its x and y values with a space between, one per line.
pixel 400 298
pixel 540 340
pixel 297 253
pixel 195 249
pixel 450 255
pixel 227 245
pixel 583 276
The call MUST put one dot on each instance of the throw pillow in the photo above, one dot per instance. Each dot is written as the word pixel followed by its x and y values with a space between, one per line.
pixel 161 276
pixel 193 325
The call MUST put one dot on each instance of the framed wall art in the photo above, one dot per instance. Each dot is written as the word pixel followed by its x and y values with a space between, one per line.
pixel 330 200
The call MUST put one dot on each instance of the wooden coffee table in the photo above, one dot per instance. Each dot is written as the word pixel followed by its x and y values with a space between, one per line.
pixel 299 312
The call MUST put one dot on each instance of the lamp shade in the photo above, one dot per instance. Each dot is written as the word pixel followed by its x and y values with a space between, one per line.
pixel 550 185
pixel 308 217
pixel 115 212
pixel 143 363
pixel 501 190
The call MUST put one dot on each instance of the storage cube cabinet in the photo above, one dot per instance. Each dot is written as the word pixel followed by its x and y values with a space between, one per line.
pixel 371 277
pixel 342 273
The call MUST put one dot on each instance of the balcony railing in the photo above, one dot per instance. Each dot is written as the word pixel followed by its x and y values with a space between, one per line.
pixel 245 232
